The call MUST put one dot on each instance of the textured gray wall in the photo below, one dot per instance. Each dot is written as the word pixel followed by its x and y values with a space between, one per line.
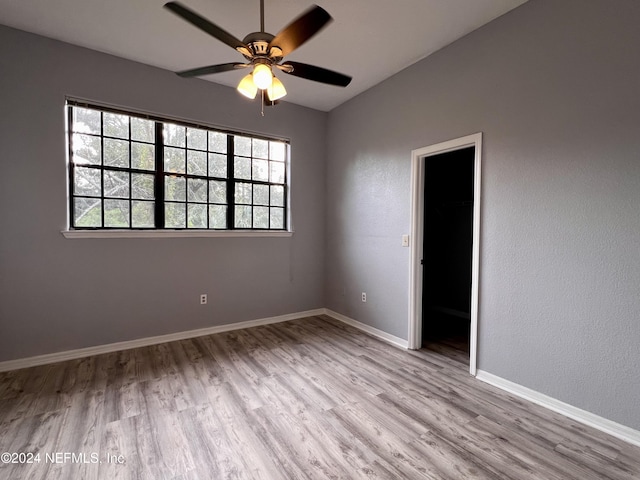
pixel 58 294
pixel 554 87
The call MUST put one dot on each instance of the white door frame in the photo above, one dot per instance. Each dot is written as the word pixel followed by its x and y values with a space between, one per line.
pixel 417 234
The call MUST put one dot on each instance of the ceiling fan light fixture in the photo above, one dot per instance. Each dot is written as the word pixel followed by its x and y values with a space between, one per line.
pixel 247 87
pixel 276 91
pixel 264 51
pixel 262 76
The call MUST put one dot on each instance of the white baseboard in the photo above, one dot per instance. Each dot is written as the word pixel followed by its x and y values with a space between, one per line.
pixel 144 342
pixel 387 337
pixel 599 423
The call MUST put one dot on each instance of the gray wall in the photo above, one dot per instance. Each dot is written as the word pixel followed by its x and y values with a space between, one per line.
pixel 58 294
pixel 554 87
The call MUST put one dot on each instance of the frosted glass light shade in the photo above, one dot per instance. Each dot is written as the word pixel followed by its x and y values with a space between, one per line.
pixel 276 90
pixel 247 87
pixel 262 76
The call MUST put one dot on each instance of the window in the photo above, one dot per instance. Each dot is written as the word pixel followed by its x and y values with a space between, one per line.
pixel 128 171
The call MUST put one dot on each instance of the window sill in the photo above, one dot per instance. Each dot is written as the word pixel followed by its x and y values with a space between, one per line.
pixel 172 233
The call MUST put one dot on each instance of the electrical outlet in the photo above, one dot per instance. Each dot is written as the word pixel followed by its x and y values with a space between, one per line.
pixel 364 297
pixel 203 299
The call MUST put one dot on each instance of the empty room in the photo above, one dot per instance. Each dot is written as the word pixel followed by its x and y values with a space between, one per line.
pixel 269 239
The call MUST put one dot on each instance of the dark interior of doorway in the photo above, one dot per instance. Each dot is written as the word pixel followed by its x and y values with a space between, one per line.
pixel 447 252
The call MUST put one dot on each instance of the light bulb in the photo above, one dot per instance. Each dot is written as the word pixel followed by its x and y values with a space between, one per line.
pixel 262 76
pixel 247 87
pixel 276 90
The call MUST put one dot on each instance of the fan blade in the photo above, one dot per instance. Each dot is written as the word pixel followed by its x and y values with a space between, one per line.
pixel 318 74
pixel 205 25
pixel 223 67
pixel 300 30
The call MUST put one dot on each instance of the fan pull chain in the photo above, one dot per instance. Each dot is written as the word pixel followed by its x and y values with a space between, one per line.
pixel 262 102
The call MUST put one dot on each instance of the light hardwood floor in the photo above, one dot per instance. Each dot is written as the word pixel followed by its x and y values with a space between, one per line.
pixel 307 399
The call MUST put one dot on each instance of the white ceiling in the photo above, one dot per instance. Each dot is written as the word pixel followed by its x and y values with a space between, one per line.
pixel 369 40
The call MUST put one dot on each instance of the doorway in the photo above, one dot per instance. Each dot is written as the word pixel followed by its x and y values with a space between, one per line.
pixel 445 248
pixel 446 251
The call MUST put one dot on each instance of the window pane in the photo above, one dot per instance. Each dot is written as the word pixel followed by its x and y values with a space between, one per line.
pixel 175 188
pixel 142 214
pixel 217 192
pixel 143 130
pixel 243 193
pixel 260 148
pixel 217 165
pixel 196 138
pixel 143 156
pixel 116 213
pixel 242 168
pixel 174 160
pixel 116 153
pixel 196 163
pixel 86 150
pixel 277 196
pixel 277 150
pixel 277 218
pixel 196 190
pixel 175 215
pixel 261 170
pixel 243 217
pixel 277 172
pixel 86 121
pixel 197 215
pixel 87 181
pixel 261 195
pixel 218 142
pixel 242 146
pixel 87 212
pixel 174 135
pixel 142 186
pixel 260 217
pixel 217 216
pixel 116 125
pixel 116 184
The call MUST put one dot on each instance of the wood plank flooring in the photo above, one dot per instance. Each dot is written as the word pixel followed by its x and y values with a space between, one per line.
pixel 307 399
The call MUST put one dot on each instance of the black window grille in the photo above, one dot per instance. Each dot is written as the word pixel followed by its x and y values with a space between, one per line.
pixel 130 171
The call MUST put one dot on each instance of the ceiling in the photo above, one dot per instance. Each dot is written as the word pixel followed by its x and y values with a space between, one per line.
pixel 369 40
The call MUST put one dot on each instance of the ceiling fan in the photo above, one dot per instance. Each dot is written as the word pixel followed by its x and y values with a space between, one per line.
pixel 264 52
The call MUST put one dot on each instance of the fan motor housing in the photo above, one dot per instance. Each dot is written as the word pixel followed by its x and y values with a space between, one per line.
pixel 258 42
